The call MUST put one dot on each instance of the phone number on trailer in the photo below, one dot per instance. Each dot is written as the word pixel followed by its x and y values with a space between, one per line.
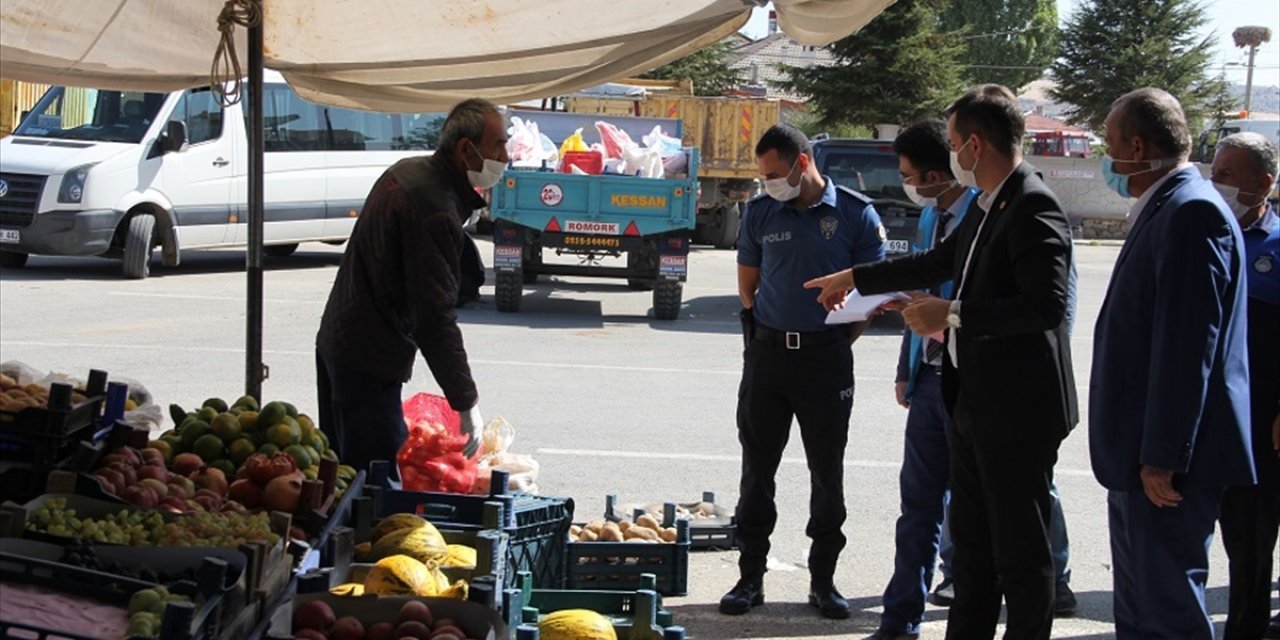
pixel 603 242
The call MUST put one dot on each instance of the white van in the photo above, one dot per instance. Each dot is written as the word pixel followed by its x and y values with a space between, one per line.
pixel 93 172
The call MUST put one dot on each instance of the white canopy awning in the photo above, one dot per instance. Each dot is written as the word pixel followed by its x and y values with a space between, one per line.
pixel 392 55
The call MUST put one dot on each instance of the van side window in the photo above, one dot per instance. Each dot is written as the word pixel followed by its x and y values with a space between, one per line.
pixel 291 123
pixel 200 111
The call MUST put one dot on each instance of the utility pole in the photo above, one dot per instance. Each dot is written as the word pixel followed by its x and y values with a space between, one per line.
pixel 1251 37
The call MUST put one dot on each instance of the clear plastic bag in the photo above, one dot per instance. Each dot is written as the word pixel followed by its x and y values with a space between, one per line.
pixel 495 454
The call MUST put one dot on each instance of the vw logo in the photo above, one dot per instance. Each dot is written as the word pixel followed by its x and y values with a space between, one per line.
pixel 4 188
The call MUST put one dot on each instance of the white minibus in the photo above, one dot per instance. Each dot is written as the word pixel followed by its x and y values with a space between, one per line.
pixel 96 172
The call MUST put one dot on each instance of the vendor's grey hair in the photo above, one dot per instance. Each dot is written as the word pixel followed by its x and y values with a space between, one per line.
pixel 1155 116
pixel 1261 151
pixel 466 120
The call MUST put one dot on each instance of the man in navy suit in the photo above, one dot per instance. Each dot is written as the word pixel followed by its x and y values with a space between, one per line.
pixel 1169 396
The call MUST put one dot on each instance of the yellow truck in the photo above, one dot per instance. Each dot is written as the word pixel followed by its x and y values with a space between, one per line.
pixel 724 129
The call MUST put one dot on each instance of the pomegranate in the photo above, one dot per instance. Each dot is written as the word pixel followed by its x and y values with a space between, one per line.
pixel 246 493
pixel 283 493
pixel 212 479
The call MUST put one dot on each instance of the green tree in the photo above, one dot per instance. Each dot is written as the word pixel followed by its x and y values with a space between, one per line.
pixel 1008 42
pixel 1110 47
pixel 898 69
pixel 708 69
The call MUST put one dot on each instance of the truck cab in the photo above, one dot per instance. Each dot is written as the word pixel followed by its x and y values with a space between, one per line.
pixel 870 167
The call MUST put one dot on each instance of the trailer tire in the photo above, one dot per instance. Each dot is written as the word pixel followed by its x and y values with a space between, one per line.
pixel 666 299
pixel 726 229
pixel 508 289
pixel 139 240
pixel 280 250
pixel 13 260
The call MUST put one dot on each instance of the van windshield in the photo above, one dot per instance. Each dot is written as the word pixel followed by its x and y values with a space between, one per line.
pixel 869 171
pixel 78 113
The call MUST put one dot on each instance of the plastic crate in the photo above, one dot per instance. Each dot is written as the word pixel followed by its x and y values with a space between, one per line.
pixel 181 621
pixel 537 526
pixel 621 565
pixel 476 620
pixel 635 614
pixel 491 560
pixel 718 532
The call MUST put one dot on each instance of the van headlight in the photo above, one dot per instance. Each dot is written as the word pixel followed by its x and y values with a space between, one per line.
pixel 72 189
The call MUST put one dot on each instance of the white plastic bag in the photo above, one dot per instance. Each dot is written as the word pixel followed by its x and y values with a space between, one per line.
pixel 665 144
pixel 640 161
pixel 522 143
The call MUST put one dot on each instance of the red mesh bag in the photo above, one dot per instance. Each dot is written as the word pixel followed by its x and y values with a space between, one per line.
pixel 431 458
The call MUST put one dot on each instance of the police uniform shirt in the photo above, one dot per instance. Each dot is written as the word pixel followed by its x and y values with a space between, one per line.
pixel 791 246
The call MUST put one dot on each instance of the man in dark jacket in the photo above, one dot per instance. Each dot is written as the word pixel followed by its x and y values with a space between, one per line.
pixel 1006 375
pixel 397 288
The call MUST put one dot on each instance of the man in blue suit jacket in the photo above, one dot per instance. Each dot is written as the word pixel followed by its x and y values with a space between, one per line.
pixel 1169 396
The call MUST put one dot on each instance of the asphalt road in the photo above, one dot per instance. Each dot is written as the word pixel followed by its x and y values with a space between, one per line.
pixel 607 399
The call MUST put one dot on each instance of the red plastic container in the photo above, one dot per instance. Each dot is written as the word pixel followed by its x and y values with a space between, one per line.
pixel 589 161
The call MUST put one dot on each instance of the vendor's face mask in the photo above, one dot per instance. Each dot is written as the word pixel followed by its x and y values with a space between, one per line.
pixel 488 175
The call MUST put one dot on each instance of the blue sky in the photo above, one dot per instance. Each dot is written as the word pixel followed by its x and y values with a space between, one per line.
pixel 1225 16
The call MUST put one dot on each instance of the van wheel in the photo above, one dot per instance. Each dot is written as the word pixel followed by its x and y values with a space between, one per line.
pixel 139 239
pixel 280 250
pixel 13 260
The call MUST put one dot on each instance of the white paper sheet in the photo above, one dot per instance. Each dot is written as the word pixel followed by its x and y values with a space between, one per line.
pixel 857 307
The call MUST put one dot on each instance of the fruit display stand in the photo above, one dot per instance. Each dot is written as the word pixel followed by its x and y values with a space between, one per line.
pixel 477 621
pixel 635 615
pixel 179 620
pixel 623 565
pixel 538 526
pixel 711 526
pixel 267 567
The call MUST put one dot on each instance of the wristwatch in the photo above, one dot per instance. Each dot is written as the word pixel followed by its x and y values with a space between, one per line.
pixel 953 315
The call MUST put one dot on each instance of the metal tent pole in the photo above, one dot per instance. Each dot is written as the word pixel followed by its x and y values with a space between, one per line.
pixel 255 370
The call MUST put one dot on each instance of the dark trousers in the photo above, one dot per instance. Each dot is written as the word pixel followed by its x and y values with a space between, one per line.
pixel 922 487
pixel 815 386
pixel 1250 521
pixel 361 415
pixel 1160 563
pixel 1000 509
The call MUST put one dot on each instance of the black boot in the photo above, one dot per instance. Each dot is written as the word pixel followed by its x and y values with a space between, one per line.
pixel 749 592
pixel 828 601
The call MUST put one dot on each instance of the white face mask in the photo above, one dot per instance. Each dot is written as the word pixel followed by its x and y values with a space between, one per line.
pixel 967 177
pixel 781 190
pixel 1232 196
pixel 488 175
pixel 913 193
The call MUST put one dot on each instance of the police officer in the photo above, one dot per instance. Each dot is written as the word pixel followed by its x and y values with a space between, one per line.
pixel 1244 171
pixel 794 365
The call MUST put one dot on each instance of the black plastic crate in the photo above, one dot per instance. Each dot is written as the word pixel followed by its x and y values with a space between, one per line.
pixel 719 531
pixel 622 565
pixel 537 526
pixel 181 621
